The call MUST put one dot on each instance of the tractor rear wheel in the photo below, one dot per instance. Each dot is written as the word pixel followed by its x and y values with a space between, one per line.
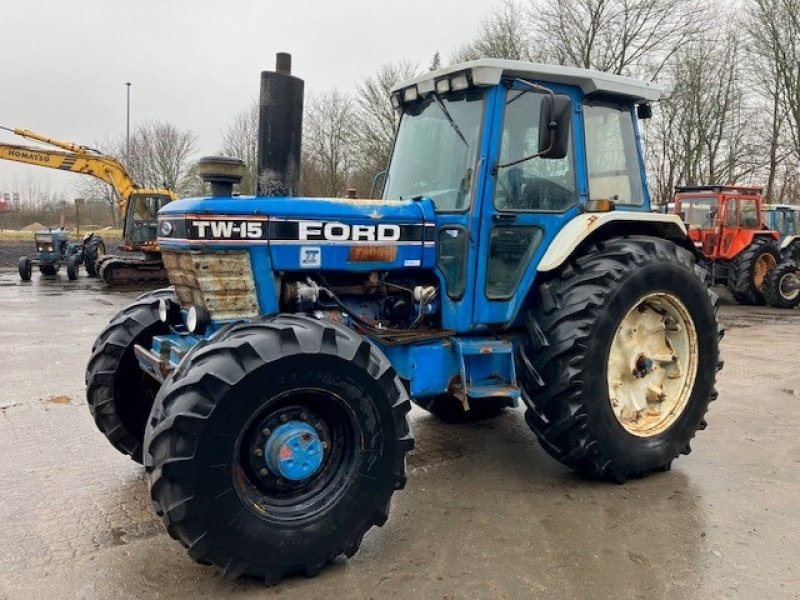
pixel 450 409
pixel 25 269
pixel 749 270
pixel 119 393
pixel 792 252
pixel 622 358
pixel 94 248
pixel 782 286
pixel 273 448
pixel 73 265
pixel 48 270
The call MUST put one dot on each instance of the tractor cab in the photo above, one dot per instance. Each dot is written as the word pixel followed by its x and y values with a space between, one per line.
pixel 141 220
pixel 721 220
pixel 783 218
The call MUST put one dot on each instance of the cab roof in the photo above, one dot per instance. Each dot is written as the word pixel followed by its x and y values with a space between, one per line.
pixel 489 72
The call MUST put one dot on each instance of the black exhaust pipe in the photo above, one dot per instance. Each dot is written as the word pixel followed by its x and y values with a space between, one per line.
pixel 280 130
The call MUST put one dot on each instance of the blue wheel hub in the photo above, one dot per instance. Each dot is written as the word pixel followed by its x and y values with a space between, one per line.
pixel 294 451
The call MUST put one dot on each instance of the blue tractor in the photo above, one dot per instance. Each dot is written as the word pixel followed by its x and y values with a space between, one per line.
pixel 785 219
pixel 54 250
pixel 512 257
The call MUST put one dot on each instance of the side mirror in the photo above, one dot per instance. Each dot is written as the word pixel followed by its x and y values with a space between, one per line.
pixel 554 122
pixel 644 111
pixel 378 180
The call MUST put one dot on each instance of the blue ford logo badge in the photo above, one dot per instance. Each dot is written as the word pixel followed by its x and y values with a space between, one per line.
pixel 166 228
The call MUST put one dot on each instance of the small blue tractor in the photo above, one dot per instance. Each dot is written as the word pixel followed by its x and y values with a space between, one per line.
pixel 512 257
pixel 54 250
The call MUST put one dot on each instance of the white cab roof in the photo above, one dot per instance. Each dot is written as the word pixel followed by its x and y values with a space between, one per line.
pixel 489 71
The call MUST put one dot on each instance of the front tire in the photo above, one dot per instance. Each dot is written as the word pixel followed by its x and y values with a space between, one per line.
pixel 792 252
pixel 119 393
pixel 583 344
pixel 73 265
pixel 214 427
pixel 781 286
pixel 94 248
pixel 25 268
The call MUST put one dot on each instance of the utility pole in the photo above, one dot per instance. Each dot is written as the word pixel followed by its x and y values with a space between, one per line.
pixel 128 127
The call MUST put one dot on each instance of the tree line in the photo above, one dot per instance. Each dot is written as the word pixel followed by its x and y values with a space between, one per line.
pixel 730 112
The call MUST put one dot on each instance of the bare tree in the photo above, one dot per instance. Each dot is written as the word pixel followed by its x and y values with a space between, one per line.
pixel 700 131
pixel 162 155
pixel 634 37
pixel 775 61
pixel 330 144
pixel 377 122
pixel 240 140
pixel 505 32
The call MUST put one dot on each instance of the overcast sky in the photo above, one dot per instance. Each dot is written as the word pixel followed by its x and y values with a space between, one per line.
pixel 195 63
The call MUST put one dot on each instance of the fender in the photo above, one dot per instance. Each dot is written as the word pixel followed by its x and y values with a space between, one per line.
pixel 788 240
pixel 587 224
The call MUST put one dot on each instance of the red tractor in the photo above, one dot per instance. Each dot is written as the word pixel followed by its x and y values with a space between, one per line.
pixel 727 226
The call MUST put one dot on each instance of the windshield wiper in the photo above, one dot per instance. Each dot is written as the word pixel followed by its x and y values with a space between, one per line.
pixel 450 119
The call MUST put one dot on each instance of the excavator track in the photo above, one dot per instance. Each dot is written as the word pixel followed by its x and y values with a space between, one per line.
pixel 131 270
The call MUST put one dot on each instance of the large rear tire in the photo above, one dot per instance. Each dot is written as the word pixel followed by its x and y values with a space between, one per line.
pixel 781 286
pixel 119 393
pixel 749 270
pixel 631 317
pixel 94 248
pixel 213 430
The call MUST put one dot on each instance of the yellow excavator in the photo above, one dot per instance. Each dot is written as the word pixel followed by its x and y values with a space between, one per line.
pixel 137 205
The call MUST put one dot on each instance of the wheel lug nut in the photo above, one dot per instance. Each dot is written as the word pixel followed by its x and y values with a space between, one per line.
pixel 284 418
pixel 324 445
pixel 264 472
pixel 266 431
pixel 279 482
pixel 318 426
pixel 258 452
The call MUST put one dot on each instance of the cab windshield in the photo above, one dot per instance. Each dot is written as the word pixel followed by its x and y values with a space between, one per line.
pixel 142 221
pixel 436 150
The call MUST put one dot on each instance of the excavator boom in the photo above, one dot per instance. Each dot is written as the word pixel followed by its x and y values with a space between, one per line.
pixel 137 206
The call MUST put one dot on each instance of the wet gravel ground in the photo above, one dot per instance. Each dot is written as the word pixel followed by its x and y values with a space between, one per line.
pixel 485 514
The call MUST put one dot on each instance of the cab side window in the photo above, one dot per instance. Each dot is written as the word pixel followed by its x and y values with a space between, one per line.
pixel 612 155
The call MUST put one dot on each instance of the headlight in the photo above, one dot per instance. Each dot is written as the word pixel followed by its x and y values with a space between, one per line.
pixel 165 228
pixel 197 319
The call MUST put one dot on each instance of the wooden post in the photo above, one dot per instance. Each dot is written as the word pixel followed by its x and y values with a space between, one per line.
pixel 78 203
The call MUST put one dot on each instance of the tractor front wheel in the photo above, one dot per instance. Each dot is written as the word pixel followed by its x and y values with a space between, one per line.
pixel 749 270
pixel 94 248
pixel 782 286
pixel 25 268
pixel 119 393
pixel 273 448
pixel 622 358
pixel 73 265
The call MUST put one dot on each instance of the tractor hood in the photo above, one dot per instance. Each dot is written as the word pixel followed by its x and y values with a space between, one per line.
pixel 306 233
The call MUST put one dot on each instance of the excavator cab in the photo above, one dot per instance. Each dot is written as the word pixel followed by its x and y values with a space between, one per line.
pixel 141 223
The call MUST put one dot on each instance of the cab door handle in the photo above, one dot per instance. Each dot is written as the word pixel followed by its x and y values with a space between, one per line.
pixel 504 217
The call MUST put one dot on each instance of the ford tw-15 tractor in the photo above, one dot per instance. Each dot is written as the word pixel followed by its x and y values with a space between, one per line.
pixel 512 257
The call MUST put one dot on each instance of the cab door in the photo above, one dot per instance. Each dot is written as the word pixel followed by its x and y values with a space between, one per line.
pixel 523 205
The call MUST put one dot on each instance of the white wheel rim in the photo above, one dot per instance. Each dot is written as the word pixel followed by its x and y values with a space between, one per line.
pixel 652 365
pixel 788 286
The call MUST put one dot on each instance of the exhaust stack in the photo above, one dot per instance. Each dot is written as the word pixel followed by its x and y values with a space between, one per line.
pixel 280 127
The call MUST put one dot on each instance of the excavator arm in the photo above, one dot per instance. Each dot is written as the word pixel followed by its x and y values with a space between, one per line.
pixel 81 161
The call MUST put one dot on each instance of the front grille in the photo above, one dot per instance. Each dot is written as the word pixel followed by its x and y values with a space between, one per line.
pixel 220 282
